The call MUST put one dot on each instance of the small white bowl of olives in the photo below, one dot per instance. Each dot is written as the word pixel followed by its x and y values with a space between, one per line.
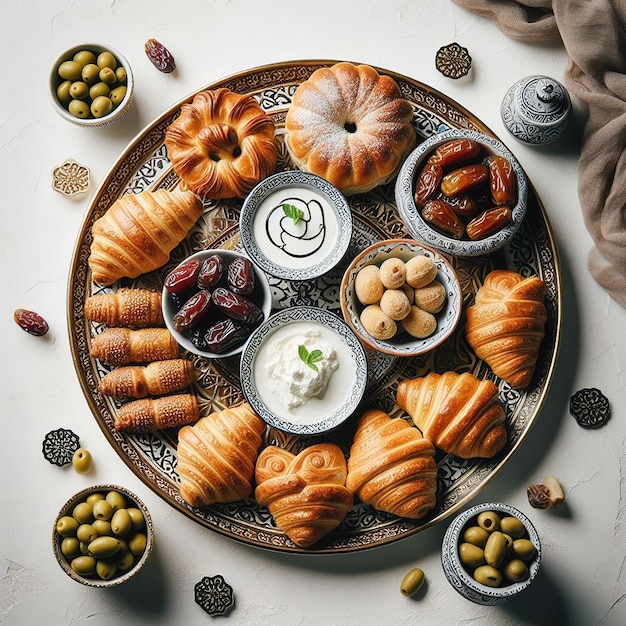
pixel 490 553
pixel 103 536
pixel 91 85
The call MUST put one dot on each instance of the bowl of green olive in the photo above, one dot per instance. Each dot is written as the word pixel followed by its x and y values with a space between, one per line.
pixel 91 85
pixel 103 536
pixel 490 553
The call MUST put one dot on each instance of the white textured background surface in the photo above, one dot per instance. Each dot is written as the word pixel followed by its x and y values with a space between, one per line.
pixel 583 578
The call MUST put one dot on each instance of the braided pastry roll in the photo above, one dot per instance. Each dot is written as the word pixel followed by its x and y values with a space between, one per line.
pixel 505 325
pixel 306 494
pixel 121 346
pixel 126 307
pixel 392 467
pixel 150 414
pixel 216 456
pixel 459 413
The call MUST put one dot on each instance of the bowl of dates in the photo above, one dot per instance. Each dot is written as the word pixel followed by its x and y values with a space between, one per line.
pixel 213 300
pixel 462 192
pixel 103 536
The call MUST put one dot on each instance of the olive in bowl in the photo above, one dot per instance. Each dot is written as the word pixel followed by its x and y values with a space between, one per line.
pixel 490 553
pixel 462 192
pixel 213 300
pixel 91 85
pixel 103 536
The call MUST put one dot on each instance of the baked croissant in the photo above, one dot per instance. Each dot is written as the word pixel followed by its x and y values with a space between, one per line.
pixel 216 456
pixel 126 307
pixel 155 379
pixel 139 231
pixel 459 413
pixel 150 414
pixel 305 494
pixel 506 323
pixel 121 346
pixel 392 467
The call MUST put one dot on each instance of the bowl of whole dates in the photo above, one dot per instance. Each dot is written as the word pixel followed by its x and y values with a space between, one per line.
pixel 103 536
pixel 213 300
pixel 91 85
pixel 490 553
pixel 462 192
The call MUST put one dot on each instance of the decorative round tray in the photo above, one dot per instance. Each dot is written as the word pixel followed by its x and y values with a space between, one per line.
pixel 144 165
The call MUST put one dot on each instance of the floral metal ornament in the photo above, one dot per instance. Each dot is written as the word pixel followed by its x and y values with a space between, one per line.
pixel 214 595
pixel 71 179
pixel 590 408
pixel 453 61
pixel 59 446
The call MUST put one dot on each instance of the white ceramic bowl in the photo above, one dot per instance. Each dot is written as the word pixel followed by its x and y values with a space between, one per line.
pixel 402 344
pixel 55 80
pixel 296 249
pixel 346 385
pixel 121 576
pixel 262 297
pixel 422 230
pixel 458 576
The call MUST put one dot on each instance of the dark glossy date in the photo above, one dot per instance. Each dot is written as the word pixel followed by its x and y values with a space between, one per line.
pixel 210 272
pixel 241 276
pixel 464 206
pixel 454 152
pixel 183 277
pixel 225 335
pixel 193 310
pixel 442 216
pixel 236 306
pixel 427 184
pixel 489 222
pixel 465 178
pixel 31 322
pixel 502 181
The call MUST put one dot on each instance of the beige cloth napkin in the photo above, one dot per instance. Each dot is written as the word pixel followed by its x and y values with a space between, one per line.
pixel 594 35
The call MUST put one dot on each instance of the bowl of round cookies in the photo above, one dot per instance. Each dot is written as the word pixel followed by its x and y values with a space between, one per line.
pixel 462 192
pixel 401 297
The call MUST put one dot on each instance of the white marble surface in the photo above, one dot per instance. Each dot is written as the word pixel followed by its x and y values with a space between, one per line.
pixel 583 575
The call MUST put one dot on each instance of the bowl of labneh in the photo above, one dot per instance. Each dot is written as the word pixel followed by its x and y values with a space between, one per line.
pixel 462 192
pixel 304 371
pixel 295 225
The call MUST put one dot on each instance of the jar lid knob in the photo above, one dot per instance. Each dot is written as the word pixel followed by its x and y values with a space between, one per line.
pixel 545 90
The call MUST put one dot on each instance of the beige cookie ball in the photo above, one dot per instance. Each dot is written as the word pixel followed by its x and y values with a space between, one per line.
pixel 420 270
pixel 419 323
pixel 368 286
pixel 393 273
pixel 395 304
pixel 377 323
pixel 431 298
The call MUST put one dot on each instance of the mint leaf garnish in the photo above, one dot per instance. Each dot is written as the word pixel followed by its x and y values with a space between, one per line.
pixel 310 358
pixel 293 212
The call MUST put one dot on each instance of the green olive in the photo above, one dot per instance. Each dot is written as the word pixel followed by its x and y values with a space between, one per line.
pixel 103 547
pixel 524 549
pixel 67 526
pixel 124 559
pixel 471 556
pixel 70 70
pixel 516 570
pixel 118 94
pixel 92 498
pixel 83 513
pixel 84 57
pixel 84 565
pixel 106 569
pixel 512 526
pixel 83 549
pixel 103 527
pixel 78 108
pixel 90 73
pixel 107 75
pixel 495 549
pixel 116 500
pixel 412 582
pixel 79 91
pixel 137 518
pixel 101 106
pixel 508 540
pixel 137 543
pixel 489 521
pixel 121 522
pixel 120 74
pixel 102 510
pixel 86 533
pixel 82 461
pixel 63 92
pixel 476 535
pixel 99 89
pixel 70 548
pixel 106 59
pixel 487 575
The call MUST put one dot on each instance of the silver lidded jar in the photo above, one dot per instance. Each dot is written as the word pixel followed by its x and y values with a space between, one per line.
pixel 536 110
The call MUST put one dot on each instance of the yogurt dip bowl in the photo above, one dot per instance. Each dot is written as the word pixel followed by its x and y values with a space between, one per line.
pixel 304 371
pixel 295 225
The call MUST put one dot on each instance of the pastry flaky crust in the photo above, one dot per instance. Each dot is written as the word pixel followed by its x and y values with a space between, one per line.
pixel 151 414
pixel 459 413
pixel 155 379
pixel 306 494
pixel 122 346
pixel 216 456
pixel 139 231
pixel 350 125
pixel 222 144
pixel 392 467
pixel 506 324
pixel 126 307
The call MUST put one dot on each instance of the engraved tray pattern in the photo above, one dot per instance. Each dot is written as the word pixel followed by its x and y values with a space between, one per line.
pixel 144 165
